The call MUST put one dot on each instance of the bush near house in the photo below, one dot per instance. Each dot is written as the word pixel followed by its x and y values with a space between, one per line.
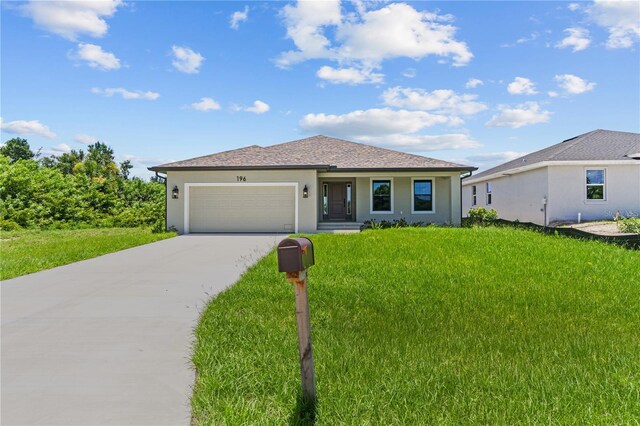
pixel 431 326
pixel 75 189
pixel 629 225
pixel 481 216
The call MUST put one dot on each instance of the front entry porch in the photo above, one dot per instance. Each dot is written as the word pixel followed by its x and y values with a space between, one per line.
pixel 338 201
pixel 351 198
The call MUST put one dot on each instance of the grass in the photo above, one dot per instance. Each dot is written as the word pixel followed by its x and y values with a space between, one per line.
pixel 431 326
pixel 26 251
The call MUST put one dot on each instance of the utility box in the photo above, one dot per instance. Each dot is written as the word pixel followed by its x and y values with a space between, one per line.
pixel 295 254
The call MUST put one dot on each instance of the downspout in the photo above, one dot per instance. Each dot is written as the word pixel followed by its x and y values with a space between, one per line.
pixel 164 181
pixel 462 177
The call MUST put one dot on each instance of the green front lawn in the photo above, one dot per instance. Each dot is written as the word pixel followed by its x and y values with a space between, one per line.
pixel 26 251
pixel 431 326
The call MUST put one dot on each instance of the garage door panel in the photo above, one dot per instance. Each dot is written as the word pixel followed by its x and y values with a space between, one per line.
pixel 242 209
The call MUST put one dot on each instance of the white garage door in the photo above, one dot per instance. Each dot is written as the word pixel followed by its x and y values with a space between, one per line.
pixel 241 208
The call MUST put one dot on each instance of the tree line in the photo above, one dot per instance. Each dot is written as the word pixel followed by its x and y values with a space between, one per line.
pixel 74 189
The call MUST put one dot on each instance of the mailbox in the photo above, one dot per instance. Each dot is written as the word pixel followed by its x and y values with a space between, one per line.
pixel 295 254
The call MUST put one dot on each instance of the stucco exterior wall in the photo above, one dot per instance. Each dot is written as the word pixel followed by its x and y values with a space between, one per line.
pixel 519 196
pixel 402 195
pixel 567 195
pixel 515 197
pixel 307 207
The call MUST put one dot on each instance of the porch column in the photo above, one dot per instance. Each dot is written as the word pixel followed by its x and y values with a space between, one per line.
pixel 456 208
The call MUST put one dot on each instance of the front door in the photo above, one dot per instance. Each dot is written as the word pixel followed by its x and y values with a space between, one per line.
pixel 339 201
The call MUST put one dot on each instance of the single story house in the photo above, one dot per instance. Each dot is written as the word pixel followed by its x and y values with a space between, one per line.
pixel 308 185
pixel 592 177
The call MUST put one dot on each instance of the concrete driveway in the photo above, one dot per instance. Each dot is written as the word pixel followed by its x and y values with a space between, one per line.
pixel 107 341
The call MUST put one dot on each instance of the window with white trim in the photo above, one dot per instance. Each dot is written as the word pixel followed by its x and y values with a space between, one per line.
pixel 422 196
pixel 474 195
pixel 489 193
pixel 595 181
pixel 381 196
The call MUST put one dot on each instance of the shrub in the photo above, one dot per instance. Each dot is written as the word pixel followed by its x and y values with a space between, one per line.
pixel 481 216
pixel 630 225
pixel 386 224
pixel 8 225
pixel 42 195
pixel 158 226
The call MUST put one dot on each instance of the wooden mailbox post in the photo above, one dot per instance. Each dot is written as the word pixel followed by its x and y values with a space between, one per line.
pixel 295 255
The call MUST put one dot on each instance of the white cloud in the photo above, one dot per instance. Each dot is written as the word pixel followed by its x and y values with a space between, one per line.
pixel 186 60
pixel 371 122
pixel 237 17
pixel 126 94
pixel 492 159
pixel 61 148
pixel 573 7
pixel 552 94
pixel 530 37
pixel 85 139
pixel 410 73
pixel 96 57
pixel 400 30
pixel 258 107
pixel 522 115
pixel 522 86
pixel 397 129
pixel 22 127
pixel 366 39
pixel 472 83
pixel 573 85
pixel 439 101
pixel 421 143
pixel 577 38
pixel 305 26
pixel 621 18
pixel 70 19
pixel 522 40
pixel 205 104
pixel 349 75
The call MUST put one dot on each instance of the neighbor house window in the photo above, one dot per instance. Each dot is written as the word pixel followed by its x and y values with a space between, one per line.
pixel 595 184
pixel 422 196
pixel 474 195
pixel 488 193
pixel 381 196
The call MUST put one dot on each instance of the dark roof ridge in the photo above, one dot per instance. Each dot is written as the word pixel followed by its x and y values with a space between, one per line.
pixel 362 145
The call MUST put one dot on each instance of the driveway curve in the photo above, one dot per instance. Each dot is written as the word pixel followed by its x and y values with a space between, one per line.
pixel 107 341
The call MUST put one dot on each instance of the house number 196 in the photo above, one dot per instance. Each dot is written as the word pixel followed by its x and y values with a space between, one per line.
pixel 241 178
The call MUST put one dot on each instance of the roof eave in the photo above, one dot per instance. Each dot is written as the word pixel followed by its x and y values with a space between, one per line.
pixel 213 168
pixel 322 167
pixel 508 172
pixel 405 169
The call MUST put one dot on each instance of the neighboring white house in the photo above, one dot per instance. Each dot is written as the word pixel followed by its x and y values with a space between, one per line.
pixel 594 175
pixel 306 185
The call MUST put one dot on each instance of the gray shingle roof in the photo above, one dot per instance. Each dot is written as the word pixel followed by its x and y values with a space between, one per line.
pixel 597 145
pixel 316 152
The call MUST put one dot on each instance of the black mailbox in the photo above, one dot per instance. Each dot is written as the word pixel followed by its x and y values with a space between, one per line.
pixel 295 254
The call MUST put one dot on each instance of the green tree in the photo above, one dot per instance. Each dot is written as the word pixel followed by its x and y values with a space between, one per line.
pixel 100 153
pixel 67 161
pixel 50 161
pixel 125 169
pixel 17 149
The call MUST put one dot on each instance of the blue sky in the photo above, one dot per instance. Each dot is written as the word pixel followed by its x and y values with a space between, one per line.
pixel 471 82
